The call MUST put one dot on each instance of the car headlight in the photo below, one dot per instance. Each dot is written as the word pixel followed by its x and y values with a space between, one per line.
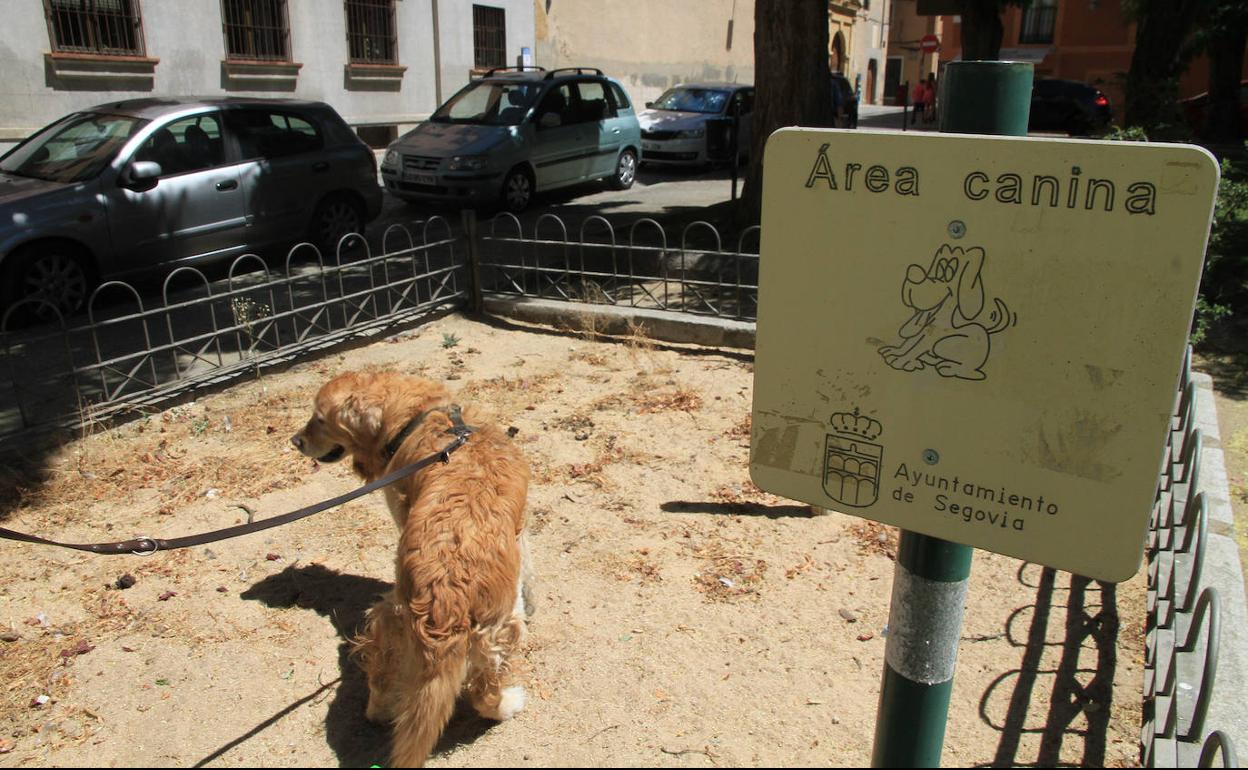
pixel 468 163
pixel 695 133
pixel 391 159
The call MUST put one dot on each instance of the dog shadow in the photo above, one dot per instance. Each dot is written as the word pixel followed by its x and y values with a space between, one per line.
pixel 345 599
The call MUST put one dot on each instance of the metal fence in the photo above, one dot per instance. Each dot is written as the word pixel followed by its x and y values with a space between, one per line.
pixel 130 352
pixel 643 269
pixel 1184 611
pixel 127 354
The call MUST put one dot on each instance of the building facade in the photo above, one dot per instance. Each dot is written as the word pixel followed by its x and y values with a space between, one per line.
pixel 649 45
pixel 1086 40
pixel 870 51
pixel 382 64
pixel 907 63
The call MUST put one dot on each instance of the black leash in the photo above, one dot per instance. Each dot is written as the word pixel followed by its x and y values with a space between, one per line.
pixel 146 546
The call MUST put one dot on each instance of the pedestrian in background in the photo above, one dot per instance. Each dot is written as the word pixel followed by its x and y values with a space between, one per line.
pixel 918 96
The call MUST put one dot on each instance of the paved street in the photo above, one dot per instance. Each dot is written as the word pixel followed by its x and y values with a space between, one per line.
pixel 661 193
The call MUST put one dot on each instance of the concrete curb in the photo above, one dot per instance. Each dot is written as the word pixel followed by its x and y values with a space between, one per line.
pixel 1229 709
pixel 615 320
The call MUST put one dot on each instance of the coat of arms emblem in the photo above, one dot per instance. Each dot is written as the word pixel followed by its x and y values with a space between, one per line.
pixel 851 465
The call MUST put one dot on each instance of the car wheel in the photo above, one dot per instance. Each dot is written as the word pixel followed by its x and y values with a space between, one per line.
pixel 54 273
pixel 625 171
pixel 334 217
pixel 517 190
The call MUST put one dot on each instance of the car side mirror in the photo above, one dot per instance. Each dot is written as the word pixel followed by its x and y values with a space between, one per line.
pixel 141 175
pixel 549 120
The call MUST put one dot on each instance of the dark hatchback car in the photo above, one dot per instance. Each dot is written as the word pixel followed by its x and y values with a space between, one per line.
pixel 1069 106
pixel 128 186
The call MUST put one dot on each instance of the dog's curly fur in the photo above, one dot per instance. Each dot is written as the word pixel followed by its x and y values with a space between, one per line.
pixel 457 612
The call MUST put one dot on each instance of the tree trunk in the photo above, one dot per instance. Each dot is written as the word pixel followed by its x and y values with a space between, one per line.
pixel 1226 62
pixel 982 31
pixel 792 84
pixel 1162 29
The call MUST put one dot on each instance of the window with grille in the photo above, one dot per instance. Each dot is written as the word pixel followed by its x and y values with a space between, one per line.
pixel 370 32
pixel 105 27
pixel 489 37
pixel 1039 19
pixel 256 30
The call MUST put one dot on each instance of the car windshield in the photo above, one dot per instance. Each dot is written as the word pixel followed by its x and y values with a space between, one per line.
pixel 72 149
pixel 489 103
pixel 692 100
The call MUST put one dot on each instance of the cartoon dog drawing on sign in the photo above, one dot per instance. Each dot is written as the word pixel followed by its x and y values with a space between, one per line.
pixel 949 328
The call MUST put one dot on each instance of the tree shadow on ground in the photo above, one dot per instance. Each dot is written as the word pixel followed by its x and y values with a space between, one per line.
pixel 1076 688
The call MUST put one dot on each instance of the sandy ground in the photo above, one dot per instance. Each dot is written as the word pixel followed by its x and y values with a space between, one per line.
pixel 684 617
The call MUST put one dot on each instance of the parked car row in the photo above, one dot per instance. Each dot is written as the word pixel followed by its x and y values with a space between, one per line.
pixel 131 185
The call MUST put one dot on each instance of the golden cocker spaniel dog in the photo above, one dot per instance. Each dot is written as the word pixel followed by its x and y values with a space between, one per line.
pixel 457 613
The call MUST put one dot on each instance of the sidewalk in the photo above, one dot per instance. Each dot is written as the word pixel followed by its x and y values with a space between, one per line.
pixel 889 117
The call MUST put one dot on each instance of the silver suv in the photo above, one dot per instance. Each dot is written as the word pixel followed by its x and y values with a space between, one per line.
pixel 511 134
pixel 127 186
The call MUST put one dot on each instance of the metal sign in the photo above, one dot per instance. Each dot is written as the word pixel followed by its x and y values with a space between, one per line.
pixel 929 44
pixel 977 338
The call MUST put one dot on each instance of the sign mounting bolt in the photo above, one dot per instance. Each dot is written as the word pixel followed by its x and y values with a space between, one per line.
pixel 931 456
pixel 957 228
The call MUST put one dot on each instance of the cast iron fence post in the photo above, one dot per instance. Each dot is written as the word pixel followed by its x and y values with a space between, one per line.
pixel 469 219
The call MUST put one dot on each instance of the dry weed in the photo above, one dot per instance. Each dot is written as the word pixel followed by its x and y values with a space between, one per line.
pixel 646 570
pixel 742 429
pixel 590 357
pixel 875 538
pixel 496 387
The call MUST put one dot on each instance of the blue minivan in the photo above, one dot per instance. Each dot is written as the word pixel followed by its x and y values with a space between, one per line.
pixel 516 132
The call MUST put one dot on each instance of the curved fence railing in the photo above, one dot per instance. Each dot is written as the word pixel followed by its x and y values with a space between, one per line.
pixel 641 267
pixel 1184 630
pixel 137 346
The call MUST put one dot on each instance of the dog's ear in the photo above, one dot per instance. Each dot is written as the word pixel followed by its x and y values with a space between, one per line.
pixel 360 417
pixel 970 287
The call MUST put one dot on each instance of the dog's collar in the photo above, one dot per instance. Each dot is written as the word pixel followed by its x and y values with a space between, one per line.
pixel 458 428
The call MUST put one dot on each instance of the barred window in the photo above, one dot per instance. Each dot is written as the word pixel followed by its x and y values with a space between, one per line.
pixel 370 32
pixel 489 37
pixel 1039 19
pixel 258 30
pixel 106 27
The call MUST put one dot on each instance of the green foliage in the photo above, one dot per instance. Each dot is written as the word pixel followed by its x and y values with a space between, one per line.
pixel 1224 288
pixel 449 340
pixel 1223 299
pixel 1130 134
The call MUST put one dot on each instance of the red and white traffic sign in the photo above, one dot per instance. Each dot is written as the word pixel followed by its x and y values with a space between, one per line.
pixel 929 44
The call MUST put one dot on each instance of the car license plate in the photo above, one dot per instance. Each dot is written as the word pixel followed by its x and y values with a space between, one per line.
pixel 650 146
pixel 428 179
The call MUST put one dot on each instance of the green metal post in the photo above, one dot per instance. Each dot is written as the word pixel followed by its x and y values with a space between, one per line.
pixel 931 576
